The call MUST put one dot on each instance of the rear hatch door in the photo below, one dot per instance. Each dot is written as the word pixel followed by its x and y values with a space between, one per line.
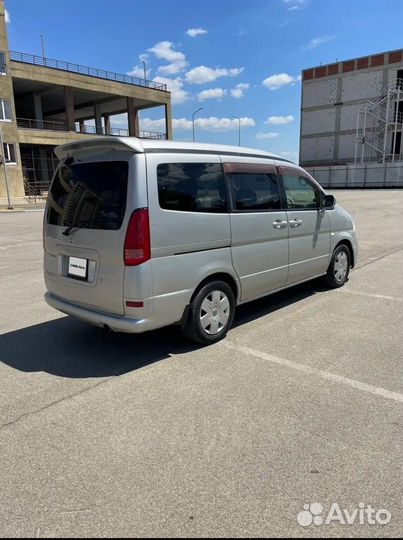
pixel 85 225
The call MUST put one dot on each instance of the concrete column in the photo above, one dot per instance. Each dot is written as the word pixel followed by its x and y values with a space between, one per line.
pixel 69 107
pixel 133 117
pixel 98 119
pixel 168 122
pixel 38 108
pixel 107 123
pixel 43 157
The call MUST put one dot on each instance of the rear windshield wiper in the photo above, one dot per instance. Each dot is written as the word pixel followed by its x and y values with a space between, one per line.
pixel 67 231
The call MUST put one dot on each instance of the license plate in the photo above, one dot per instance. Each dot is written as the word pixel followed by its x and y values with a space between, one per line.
pixel 77 268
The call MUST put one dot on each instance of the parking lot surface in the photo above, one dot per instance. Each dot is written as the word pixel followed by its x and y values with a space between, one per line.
pixel 105 435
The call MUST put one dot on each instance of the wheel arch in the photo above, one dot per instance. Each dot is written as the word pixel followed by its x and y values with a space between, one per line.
pixel 219 276
pixel 349 245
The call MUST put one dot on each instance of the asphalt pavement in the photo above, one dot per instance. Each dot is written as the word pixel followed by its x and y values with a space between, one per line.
pixel 107 435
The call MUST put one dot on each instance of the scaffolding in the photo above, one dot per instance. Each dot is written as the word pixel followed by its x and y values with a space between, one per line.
pixel 38 166
pixel 379 127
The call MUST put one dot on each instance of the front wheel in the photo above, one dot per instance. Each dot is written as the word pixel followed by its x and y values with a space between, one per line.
pixel 211 313
pixel 339 267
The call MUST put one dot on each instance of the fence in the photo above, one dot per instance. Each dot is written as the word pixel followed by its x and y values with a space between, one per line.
pixel 370 175
pixel 84 70
pixel 89 129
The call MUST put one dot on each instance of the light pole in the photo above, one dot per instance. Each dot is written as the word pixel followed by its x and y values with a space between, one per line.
pixel 3 160
pixel 145 72
pixel 239 129
pixel 43 46
pixel 193 121
pixel 43 50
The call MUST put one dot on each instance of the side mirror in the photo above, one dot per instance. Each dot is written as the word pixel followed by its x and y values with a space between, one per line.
pixel 329 201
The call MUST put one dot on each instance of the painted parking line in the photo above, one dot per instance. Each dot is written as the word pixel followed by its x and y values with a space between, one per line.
pixel 332 377
pixel 371 295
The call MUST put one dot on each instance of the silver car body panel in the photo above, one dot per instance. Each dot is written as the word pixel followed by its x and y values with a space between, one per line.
pixel 186 247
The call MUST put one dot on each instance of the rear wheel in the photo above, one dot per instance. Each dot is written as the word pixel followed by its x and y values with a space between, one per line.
pixel 211 313
pixel 339 267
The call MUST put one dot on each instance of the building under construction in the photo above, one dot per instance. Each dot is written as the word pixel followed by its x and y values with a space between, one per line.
pixel 46 102
pixel 352 112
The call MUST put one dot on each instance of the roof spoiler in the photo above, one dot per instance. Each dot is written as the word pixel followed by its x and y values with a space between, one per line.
pixel 98 146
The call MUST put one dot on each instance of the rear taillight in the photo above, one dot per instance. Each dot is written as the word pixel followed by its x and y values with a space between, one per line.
pixel 137 248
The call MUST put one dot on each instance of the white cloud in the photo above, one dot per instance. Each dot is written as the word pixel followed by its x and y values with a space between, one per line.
pixel 174 68
pixel 7 16
pixel 294 5
pixel 180 124
pixel 269 135
pixel 138 71
pixel 279 120
pixel 274 82
pixel 147 124
pixel 120 121
pixel 165 50
pixel 206 124
pixel 223 124
pixel 239 91
pixel 203 74
pixel 212 93
pixel 315 42
pixel 194 32
pixel 175 86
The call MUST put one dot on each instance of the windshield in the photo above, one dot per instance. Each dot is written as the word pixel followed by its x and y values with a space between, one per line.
pixel 89 195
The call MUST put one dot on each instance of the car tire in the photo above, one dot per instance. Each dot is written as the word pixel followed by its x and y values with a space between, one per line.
pixel 339 267
pixel 211 313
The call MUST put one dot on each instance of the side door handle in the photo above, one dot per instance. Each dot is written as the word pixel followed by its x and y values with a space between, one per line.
pixel 295 222
pixel 280 224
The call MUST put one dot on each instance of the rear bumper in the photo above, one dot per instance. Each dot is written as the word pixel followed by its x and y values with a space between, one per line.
pixel 114 322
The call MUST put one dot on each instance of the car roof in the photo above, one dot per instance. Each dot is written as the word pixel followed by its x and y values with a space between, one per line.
pixel 141 146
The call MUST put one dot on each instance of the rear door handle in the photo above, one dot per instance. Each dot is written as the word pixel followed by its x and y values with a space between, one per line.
pixel 295 222
pixel 280 224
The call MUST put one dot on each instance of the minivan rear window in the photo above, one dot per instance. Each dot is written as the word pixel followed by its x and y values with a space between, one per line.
pixel 89 195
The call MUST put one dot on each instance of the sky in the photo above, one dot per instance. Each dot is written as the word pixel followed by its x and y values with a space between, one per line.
pixel 238 58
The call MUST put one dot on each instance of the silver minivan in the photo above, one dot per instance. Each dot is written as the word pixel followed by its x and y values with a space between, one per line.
pixel 141 234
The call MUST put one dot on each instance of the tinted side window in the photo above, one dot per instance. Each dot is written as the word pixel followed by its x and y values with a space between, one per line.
pixel 254 191
pixel 191 187
pixel 301 193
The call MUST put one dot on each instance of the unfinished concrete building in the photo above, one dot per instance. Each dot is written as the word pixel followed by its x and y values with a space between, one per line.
pixel 45 103
pixel 352 111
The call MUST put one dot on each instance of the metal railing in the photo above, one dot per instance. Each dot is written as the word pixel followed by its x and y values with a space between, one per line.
pixel 118 132
pixel 84 70
pixel 31 123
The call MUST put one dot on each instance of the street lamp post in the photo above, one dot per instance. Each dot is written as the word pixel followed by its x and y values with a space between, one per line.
pixel 239 129
pixel 145 72
pixel 43 46
pixel 193 121
pixel 3 161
